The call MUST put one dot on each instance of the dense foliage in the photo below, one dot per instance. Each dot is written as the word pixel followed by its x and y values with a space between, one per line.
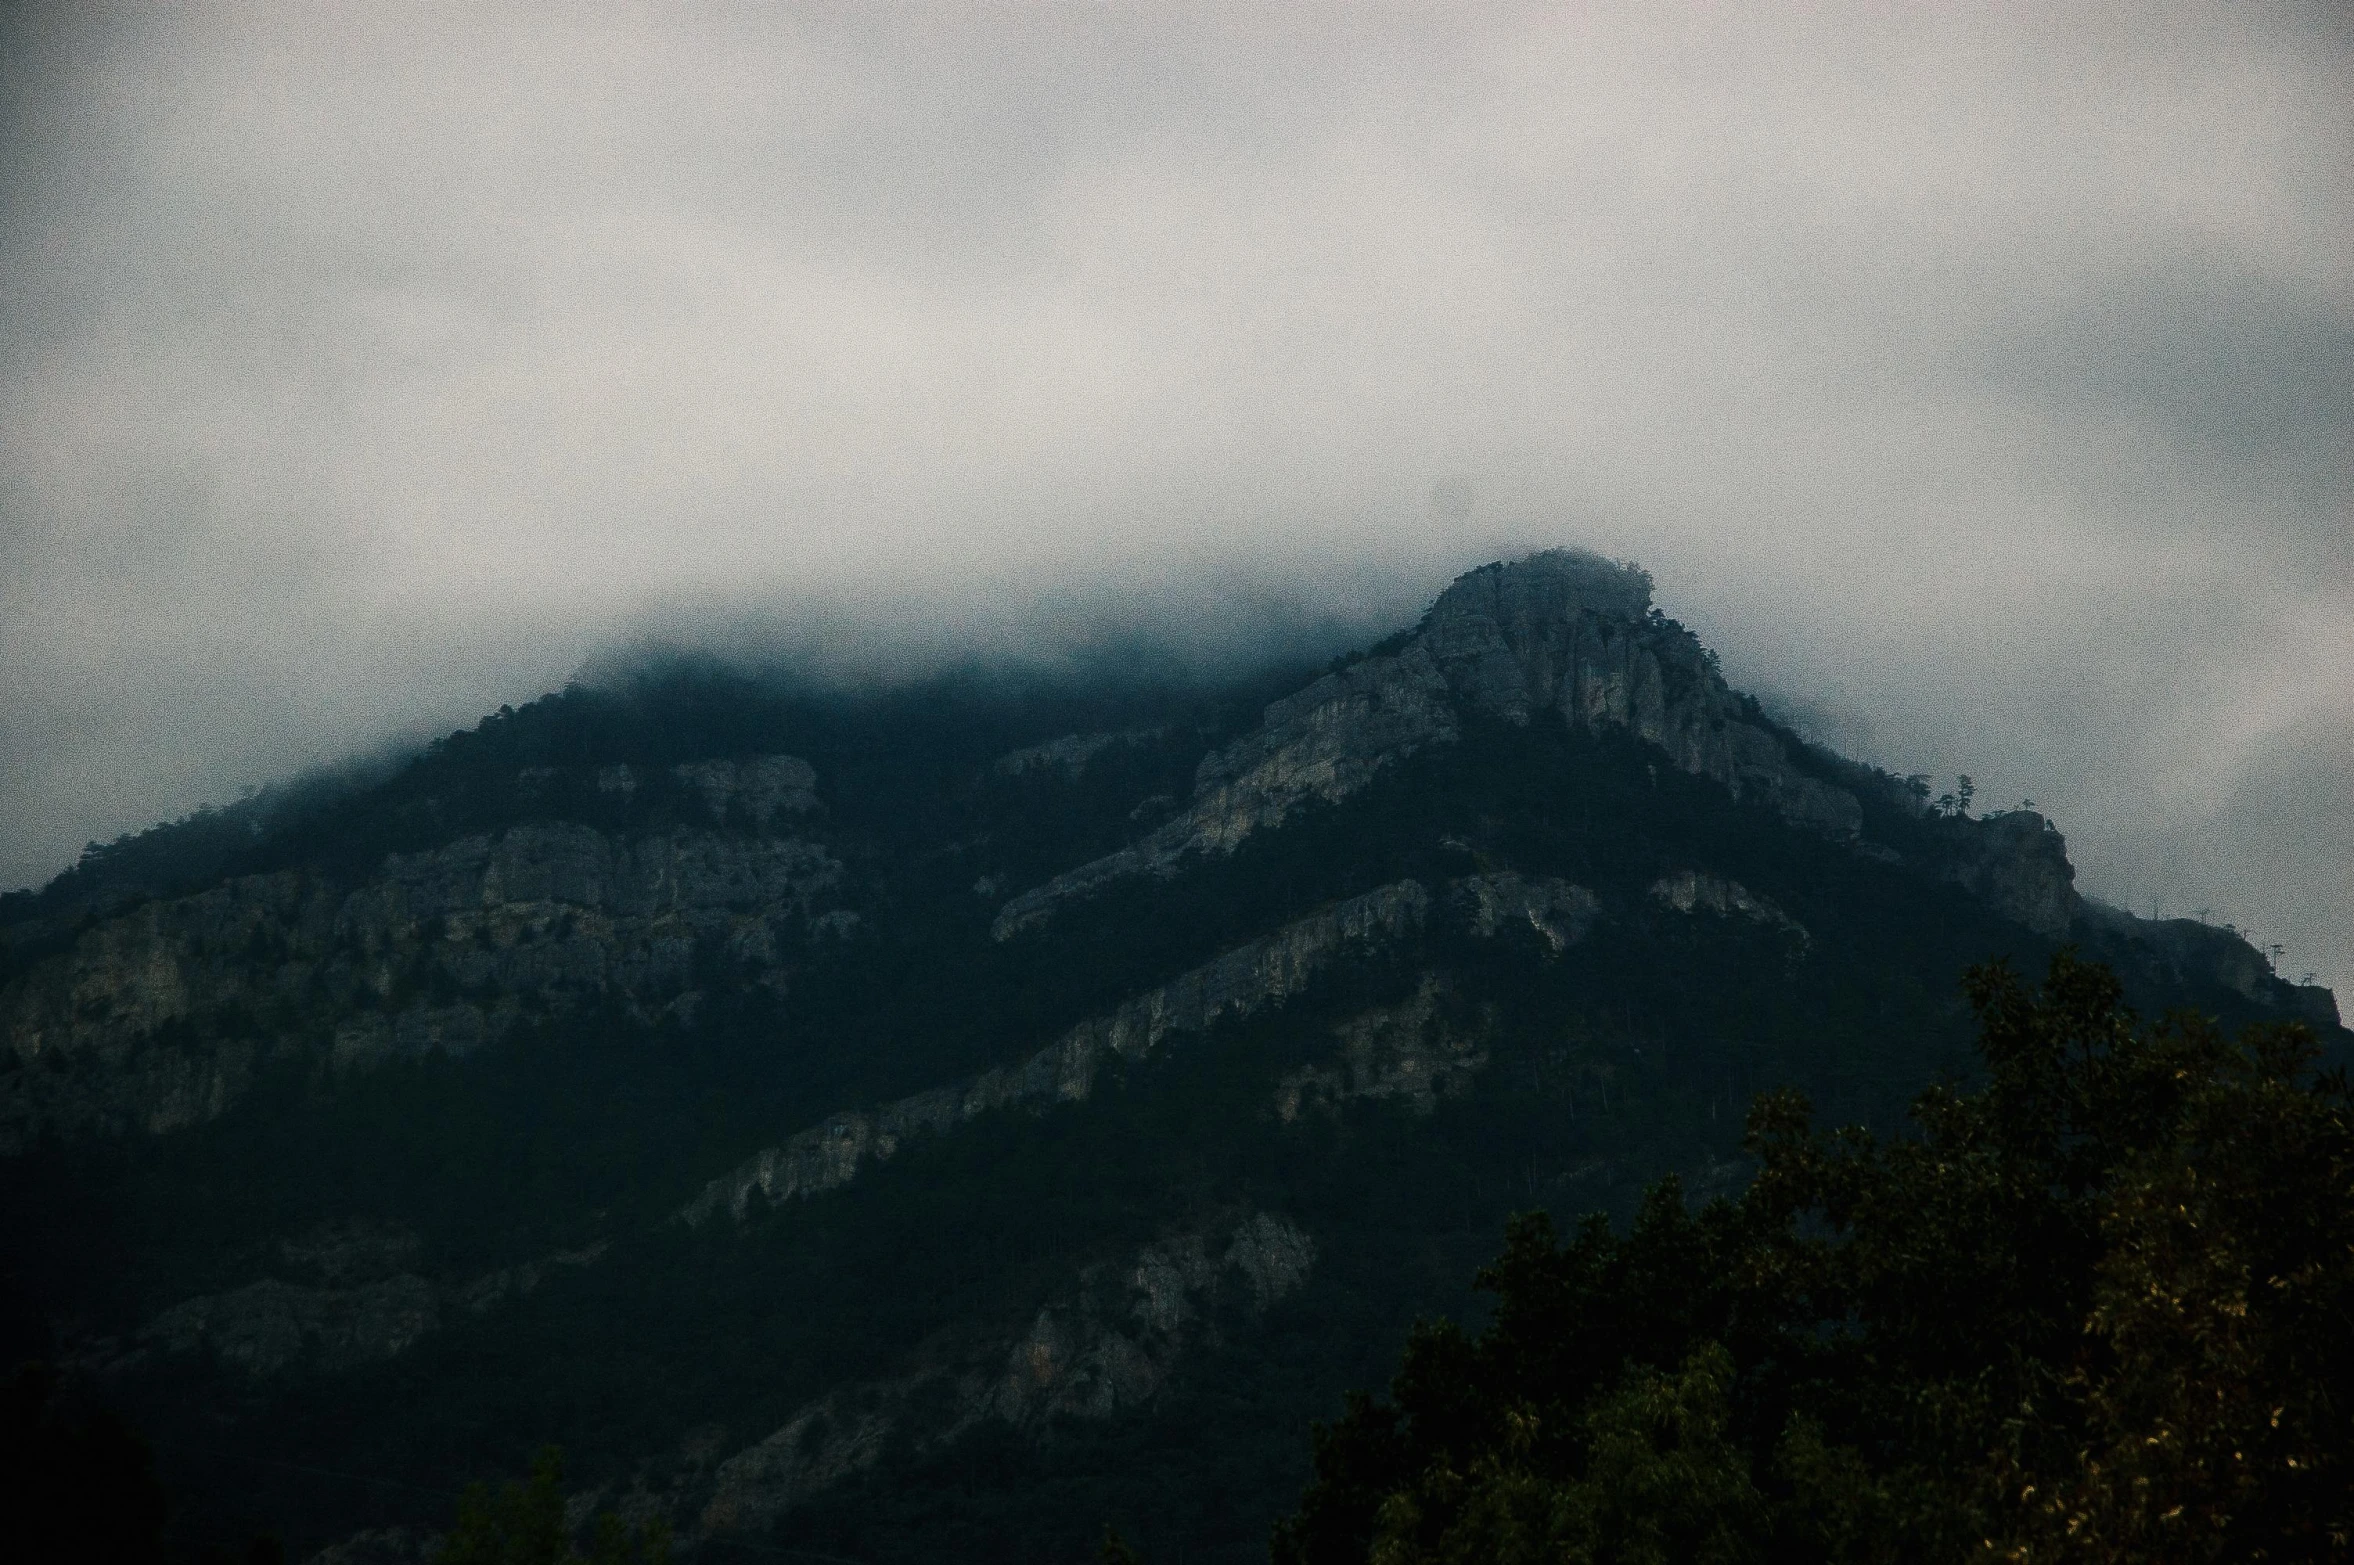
pixel 2097 1309
pixel 76 1482
pixel 521 1522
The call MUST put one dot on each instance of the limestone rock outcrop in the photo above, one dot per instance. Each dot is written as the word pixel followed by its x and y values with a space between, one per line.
pixel 1395 1051
pixel 1557 911
pixel 1105 1345
pixel 1566 632
pixel 269 1327
pixel 158 1017
pixel 2017 863
pixel 763 787
pixel 272 1326
pixel 1559 632
pixel 1692 891
pixel 1323 743
pixel 1265 970
pixel 2179 949
pixel 1070 753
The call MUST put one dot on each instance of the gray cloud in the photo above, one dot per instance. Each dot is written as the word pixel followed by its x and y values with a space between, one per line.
pixel 1982 386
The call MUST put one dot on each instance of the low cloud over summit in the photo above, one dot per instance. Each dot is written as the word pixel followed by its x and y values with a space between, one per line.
pixel 1981 388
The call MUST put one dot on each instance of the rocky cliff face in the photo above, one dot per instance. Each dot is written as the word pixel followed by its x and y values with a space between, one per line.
pixel 1568 633
pixel 1263 972
pixel 1324 744
pixel 1558 913
pixel 269 1327
pixel 1418 1084
pixel 2185 949
pixel 1103 1346
pixel 347 1295
pixel 2017 863
pixel 1391 1051
pixel 1559 632
pixel 1694 891
pixel 335 1299
pixel 157 1018
pixel 829 1155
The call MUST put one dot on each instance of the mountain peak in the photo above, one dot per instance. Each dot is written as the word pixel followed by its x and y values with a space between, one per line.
pixel 943 1082
pixel 1563 631
pixel 1551 585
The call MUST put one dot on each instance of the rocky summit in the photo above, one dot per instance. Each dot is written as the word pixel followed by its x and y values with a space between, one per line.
pixel 941 1121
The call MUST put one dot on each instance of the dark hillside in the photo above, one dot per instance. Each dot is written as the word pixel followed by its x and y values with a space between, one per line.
pixel 935 1122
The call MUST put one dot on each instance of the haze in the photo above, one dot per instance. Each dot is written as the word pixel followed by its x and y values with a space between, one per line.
pixel 1982 388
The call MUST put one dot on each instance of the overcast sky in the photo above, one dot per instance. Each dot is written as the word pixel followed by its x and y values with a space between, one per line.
pixel 1983 388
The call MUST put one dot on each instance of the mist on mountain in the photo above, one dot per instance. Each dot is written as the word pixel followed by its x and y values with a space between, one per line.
pixel 1982 380
pixel 872 1115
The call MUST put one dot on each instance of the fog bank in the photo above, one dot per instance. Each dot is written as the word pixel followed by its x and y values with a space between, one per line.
pixel 1982 387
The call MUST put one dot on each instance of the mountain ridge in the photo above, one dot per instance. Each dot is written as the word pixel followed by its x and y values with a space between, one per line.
pixel 1560 631
pixel 576 1019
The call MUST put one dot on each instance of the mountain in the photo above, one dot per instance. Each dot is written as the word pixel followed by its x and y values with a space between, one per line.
pixel 942 1120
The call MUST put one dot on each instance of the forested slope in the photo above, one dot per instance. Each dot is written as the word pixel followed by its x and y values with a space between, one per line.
pixel 941 1121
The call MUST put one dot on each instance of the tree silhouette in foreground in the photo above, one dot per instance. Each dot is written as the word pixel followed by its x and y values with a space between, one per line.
pixel 2099 1309
pixel 76 1482
pixel 521 1522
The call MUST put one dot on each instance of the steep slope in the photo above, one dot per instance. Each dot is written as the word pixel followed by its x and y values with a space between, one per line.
pixel 942 1122
pixel 1561 633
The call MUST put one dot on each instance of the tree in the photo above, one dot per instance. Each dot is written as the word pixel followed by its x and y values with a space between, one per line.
pixel 522 1523
pixel 2095 1309
pixel 76 1482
